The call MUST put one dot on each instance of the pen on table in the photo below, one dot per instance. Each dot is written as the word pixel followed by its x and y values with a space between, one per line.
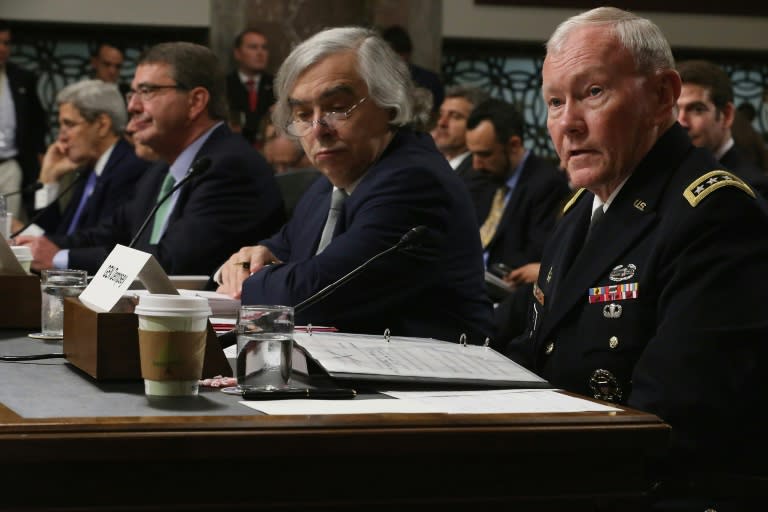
pixel 300 393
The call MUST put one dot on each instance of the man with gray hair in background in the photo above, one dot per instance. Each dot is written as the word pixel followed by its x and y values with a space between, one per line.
pixel 450 131
pixel 347 97
pixel 92 119
pixel 178 108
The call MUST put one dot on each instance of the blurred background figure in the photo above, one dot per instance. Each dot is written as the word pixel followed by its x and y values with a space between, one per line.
pixel 92 119
pixel 705 108
pixel 293 170
pixel 747 139
pixel 249 86
pixel 400 41
pixel 450 132
pixel 106 63
pixel 22 130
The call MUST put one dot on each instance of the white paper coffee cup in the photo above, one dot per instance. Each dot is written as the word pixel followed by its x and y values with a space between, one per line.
pixel 172 335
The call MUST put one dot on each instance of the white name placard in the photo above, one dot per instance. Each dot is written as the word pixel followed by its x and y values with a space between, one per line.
pixel 116 274
pixel 9 265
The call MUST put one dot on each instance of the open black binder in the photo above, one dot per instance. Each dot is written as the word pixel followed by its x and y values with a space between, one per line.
pixel 413 361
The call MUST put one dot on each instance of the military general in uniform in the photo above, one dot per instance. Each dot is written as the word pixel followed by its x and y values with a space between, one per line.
pixel 650 291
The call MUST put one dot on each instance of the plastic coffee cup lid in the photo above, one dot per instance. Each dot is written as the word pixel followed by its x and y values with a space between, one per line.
pixel 158 304
pixel 22 252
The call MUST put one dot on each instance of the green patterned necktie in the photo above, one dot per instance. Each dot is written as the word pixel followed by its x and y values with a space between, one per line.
pixel 163 210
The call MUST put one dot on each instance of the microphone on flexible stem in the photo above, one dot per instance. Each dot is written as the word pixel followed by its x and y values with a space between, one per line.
pixel 35 217
pixel 410 239
pixel 32 187
pixel 407 241
pixel 198 166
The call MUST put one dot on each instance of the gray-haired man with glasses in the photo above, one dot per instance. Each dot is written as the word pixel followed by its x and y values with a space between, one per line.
pixel 347 97
pixel 177 109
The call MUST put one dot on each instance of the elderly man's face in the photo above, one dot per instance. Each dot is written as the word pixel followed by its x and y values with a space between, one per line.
pixel 345 151
pixel 81 138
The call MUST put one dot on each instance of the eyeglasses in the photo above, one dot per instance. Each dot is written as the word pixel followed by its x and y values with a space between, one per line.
pixel 300 128
pixel 146 92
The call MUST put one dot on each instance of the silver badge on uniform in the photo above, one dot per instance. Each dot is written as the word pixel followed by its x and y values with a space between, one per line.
pixel 622 273
pixel 612 310
pixel 605 386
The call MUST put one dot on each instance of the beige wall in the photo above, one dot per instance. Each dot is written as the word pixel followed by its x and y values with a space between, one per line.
pixel 464 19
pixel 461 18
pixel 185 13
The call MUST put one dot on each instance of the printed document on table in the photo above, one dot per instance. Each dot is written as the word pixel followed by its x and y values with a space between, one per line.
pixel 502 401
pixel 405 359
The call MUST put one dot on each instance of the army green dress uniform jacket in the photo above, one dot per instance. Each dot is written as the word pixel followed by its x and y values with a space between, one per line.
pixel 665 308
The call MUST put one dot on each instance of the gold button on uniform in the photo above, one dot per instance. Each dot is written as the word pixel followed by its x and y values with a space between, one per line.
pixel 613 342
pixel 549 348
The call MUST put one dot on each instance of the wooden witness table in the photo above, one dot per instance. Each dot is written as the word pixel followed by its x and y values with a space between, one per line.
pixel 211 453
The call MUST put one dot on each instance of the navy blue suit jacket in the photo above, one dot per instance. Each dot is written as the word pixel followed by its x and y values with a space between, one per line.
pixel 114 187
pixel 234 203
pixel 437 291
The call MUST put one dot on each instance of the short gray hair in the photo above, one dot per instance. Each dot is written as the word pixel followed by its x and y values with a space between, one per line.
pixel 193 65
pixel 640 36
pixel 473 95
pixel 92 98
pixel 383 71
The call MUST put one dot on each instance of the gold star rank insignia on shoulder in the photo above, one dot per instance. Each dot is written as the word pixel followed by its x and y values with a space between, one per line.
pixel 711 181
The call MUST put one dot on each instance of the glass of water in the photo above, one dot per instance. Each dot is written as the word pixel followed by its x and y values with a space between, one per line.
pixel 264 347
pixel 55 285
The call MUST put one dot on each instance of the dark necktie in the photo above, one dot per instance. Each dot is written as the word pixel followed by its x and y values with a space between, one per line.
pixel 597 215
pixel 253 94
pixel 337 200
pixel 90 185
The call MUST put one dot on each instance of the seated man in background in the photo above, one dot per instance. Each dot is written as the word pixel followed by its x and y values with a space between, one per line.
pixel 178 106
pixel 293 170
pixel 92 120
pixel 450 131
pixel 646 295
pixel 706 110
pixel 517 194
pixel 106 63
pixel 348 98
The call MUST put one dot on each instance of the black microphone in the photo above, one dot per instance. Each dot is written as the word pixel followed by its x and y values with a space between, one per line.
pixel 35 217
pixel 198 166
pixel 409 240
pixel 32 187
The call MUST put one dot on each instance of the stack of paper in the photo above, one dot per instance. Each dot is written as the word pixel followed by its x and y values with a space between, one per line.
pixel 220 304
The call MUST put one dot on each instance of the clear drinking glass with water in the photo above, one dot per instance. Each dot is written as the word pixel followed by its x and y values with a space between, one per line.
pixel 55 285
pixel 264 347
